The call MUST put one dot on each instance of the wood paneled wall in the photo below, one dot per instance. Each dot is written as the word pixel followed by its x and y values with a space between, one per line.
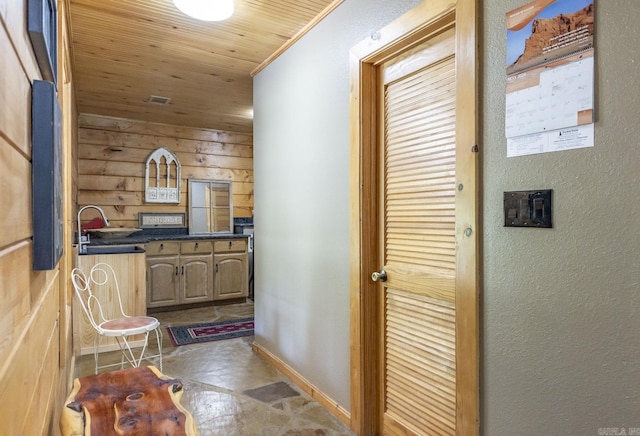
pixel 35 334
pixel 112 153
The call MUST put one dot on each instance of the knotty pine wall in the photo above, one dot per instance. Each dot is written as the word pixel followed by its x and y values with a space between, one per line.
pixel 35 314
pixel 112 153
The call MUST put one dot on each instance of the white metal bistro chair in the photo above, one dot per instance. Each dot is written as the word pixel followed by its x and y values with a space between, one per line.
pixel 118 325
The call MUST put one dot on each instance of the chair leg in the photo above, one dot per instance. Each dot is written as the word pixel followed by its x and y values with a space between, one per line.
pixel 159 340
pixel 96 346
pixel 127 352
pixel 121 356
pixel 144 348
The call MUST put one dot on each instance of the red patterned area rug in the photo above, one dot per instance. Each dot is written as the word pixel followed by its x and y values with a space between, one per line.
pixel 210 331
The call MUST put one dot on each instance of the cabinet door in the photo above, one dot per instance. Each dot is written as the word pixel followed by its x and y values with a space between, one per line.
pixel 231 276
pixel 196 279
pixel 162 281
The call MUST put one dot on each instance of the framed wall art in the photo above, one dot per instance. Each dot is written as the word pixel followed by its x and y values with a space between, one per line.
pixel 162 177
pixel 148 220
pixel 42 24
pixel 46 155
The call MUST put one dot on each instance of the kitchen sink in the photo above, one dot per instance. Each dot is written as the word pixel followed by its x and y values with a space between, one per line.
pixel 112 249
pixel 113 232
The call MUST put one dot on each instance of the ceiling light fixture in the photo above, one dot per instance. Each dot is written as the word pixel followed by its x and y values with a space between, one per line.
pixel 206 10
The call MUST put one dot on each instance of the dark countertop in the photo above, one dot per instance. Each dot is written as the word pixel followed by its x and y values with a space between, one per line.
pixel 143 237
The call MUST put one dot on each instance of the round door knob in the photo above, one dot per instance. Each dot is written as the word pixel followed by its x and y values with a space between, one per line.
pixel 379 275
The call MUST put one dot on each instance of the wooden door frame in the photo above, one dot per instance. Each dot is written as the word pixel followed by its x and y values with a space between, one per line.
pixel 407 31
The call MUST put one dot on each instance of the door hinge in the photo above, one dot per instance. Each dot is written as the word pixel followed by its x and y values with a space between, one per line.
pixel 474 149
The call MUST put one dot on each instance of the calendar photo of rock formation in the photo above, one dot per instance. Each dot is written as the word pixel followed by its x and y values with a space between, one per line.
pixel 548 30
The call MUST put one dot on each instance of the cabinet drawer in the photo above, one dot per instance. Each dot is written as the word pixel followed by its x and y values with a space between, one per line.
pixel 228 246
pixel 196 247
pixel 162 248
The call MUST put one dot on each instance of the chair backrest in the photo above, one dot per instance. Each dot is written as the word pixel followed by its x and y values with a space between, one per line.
pixel 99 284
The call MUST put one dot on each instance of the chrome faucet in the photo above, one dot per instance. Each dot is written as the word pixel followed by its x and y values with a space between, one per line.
pixel 84 240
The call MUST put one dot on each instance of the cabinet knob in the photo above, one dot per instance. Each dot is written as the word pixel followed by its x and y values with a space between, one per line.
pixel 161 246
pixel 196 245
pixel 176 270
pixel 230 242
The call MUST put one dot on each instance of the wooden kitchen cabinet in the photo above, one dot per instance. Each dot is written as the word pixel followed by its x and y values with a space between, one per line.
pixel 162 281
pixel 196 271
pixel 179 273
pixel 163 266
pixel 230 269
pixel 184 272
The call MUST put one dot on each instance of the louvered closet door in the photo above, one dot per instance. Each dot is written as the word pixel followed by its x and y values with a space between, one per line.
pixel 419 164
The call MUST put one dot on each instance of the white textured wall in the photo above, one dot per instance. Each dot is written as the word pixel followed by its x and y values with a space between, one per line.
pixel 301 164
pixel 561 321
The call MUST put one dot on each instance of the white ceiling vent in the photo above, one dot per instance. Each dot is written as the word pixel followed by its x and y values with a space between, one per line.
pixel 159 100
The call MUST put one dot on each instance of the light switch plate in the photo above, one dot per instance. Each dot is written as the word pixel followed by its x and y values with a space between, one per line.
pixel 528 209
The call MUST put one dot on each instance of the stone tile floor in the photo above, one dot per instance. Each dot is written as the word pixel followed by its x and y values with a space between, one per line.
pixel 229 390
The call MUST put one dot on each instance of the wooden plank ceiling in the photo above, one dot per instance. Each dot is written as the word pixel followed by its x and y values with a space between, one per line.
pixel 126 51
